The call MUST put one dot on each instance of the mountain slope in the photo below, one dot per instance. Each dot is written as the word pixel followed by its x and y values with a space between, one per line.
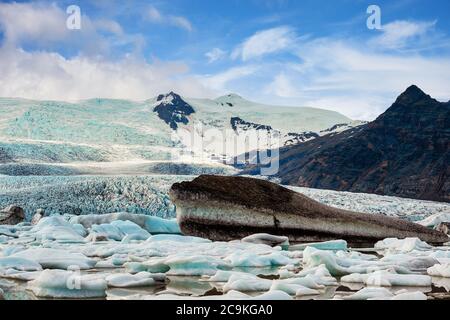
pixel 119 130
pixel 405 152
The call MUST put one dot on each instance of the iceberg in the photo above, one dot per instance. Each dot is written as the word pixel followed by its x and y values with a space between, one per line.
pixel 435 220
pixel 67 284
pixel 403 245
pixel 250 259
pixel 194 265
pixel 293 289
pixel 56 258
pixel 57 229
pixel 124 280
pixel 439 270
pixel 334 245
pixel 388 279
pixel 19 264
pixel 153 225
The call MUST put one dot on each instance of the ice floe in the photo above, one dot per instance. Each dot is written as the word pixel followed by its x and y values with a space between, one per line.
pixel 142 279
pixel 439 270
pixel 403 245
pixel 435 219
pixel 56 258
pixel 67 284
pixel 19 264
pixel 388 279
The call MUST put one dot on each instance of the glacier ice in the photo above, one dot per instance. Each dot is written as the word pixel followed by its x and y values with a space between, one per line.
pixel 124 280
pixel 250 259
pixel 402 245
pixel 435 219
pixel 194 265
pixel 334 245
pixel 19 264
pixel 439 270
pixel 67 284
pixel 388 279
pixel 56 258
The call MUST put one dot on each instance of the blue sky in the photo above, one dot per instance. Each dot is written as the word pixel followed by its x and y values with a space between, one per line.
pixel 289 52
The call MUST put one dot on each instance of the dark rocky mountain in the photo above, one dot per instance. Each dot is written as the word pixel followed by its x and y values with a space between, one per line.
pixel 405 152
pixel 295 138
pixel 172 109
pixel 238 123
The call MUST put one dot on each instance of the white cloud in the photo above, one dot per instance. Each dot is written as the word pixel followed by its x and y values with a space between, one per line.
pixel 44 27
pixel 43 75
pixel 220 81
pixel 397 34
pixel 360 83
pixel 265 42
pixel 24 21
pixel 156 16
pixel 282 87
pixel 215 55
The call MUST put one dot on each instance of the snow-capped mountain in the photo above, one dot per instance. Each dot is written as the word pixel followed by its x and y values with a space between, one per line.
pixel 230 125
pixel 104 130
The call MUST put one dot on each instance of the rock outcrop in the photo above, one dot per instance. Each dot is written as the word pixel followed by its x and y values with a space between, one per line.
pixel 225 208
pixel 12 215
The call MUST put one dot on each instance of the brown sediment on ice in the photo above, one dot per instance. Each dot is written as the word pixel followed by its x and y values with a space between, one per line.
pixel 224 208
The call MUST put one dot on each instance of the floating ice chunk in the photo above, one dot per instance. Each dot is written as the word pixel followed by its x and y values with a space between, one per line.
pixel 67 284
pixel 154 265
pixel 11 249
pixel 370 294
pixel 123 280
pixel 156 225
pixel 435 219
pixel 153 225
pixel 417 263
pixel 177 238
pixel 268 239
pixel 20 275
pixel 439 270
pixel 119 229
pixel 131 229
pixel 293 289
pixel 403 245
pixel 194 265
pixel 338 267
pixel 108 231
pixel 272 295
pixel 56 258
pixel 247 283
pixel 334 245
pixel 356 255
pixel 4 239
pixel 57 229
pixel 406 295
pixel 320 271
pixel 9 231
pixel 223 276
pixel 387 279
pixel 250 259
pixel 20 264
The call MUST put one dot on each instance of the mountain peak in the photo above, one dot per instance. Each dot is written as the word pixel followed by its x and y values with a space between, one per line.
pixel 411 95
pixel 168 98
pixel 173 110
